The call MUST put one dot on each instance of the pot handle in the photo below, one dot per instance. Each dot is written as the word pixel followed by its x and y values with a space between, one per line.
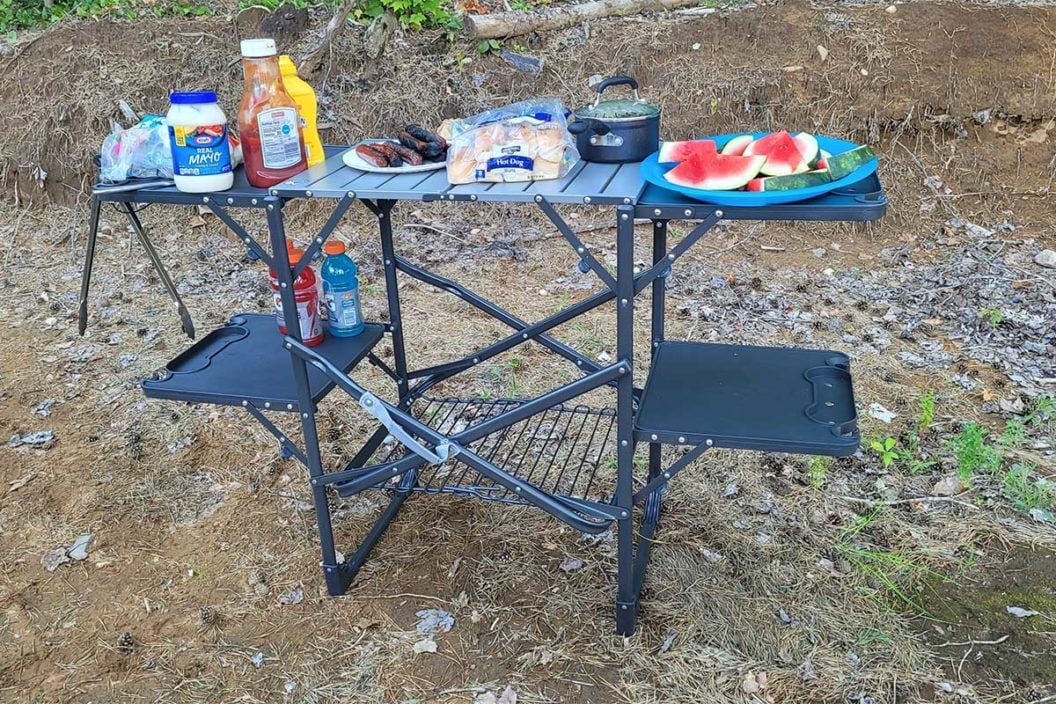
pixel 617 81
pixel 585 123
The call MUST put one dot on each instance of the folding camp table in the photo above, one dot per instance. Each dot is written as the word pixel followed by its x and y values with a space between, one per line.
pixel 571 460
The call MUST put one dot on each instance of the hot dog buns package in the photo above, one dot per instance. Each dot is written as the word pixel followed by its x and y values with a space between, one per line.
pixel 526 141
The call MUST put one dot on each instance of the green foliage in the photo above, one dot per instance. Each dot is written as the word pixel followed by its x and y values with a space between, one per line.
pixel 817 470
pixel 973 453
pixel 485 46
pixel 1024 491
pixel 915 435
pixel 994 316
pixel 887 449
pixel 23 14
pixel 412 13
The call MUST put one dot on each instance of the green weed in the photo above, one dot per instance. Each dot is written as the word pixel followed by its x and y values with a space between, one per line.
pixel 972 452
pixel 817 470
pixel 23 14
pixel 915 435
pixel 994 316
pixel 1024 491
pixel 887 449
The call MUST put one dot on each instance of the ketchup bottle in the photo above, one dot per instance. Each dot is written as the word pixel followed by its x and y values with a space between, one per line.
pixel 272 145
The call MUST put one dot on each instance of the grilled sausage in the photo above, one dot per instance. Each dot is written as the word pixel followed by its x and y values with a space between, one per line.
pixel 419 132
pixel 372 156
pixel 411 142
pixel 390 153
pixel 408 155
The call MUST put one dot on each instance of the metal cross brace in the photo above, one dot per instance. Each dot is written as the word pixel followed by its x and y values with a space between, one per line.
pixel 328 228
pixel 287 445
pixel 569 234
pixel 660 480
pixel 241 233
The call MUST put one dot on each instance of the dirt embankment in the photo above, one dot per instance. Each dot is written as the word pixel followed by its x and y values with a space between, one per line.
pixel 926 70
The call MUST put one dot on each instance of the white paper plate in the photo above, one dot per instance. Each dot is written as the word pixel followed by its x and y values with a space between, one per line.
pixel 352 160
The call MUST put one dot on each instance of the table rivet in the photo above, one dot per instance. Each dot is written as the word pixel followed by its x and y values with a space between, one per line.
pixel 517 489
pixel 538 199
pixel 653 436
pixel 718 213
pixel 623 514
pixel 253 201
pixel 623 443
pixel 626 201
pixel 623 606
pixel 623 370
pixel 282 439
pixel 395 470
pixel 289 346
pixel 624 301
pixel 624 216
pixel 579 362
pixel 671 256
pixel 579 249
pixel 230 201
pixel 394 327
pixel 289 406
pixel 689 212
pixel 304 415
pixel 586 199
pixel 284 284
pixel 274 191
pixel 472 197
pixel 350 194
pixel 247 240
pixel 657 212
pixel 667 475
pixel 319 240
pixel 681 439
pixel 245 402
pixel 267 404
pixel 709 442
pixel 308 193
pixel 476 360
pixel 271 206
pixel 525 336
pixel 368 403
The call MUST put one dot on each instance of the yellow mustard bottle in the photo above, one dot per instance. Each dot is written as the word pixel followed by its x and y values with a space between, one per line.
pixel 307 108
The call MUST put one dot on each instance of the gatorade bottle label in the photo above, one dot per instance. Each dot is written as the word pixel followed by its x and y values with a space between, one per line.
pixel 280 142
pixel 342 307
pixel 311 325
pixel 200 150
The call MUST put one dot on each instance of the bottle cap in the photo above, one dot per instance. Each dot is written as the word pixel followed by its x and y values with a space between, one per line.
pixel 258 48
pixel 295 255
pixel 192 97
pixel 334 247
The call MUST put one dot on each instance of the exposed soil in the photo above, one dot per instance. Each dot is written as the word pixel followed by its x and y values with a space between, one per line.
pixel 204 534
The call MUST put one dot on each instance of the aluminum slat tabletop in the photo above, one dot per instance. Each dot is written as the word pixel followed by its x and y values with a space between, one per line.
pixel 585 183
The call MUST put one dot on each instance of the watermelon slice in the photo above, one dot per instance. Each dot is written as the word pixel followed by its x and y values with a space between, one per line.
pixel 737 145
pixel 823 159
pixel 788 183
pixel 844 164
pixel 680 151
pixel 782 154
pixel 716 172
pixel 808 147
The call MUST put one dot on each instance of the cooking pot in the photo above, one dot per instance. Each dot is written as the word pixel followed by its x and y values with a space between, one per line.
pixel 617 131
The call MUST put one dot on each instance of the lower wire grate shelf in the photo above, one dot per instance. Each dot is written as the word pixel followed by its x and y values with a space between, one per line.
pixel 566 450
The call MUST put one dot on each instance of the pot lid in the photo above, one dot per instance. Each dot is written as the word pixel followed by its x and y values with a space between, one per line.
pixel 618 109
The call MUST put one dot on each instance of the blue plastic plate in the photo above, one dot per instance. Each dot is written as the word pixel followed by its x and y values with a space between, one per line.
pixel 653 172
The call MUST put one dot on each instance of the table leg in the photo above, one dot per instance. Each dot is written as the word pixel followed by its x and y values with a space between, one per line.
pixel 89 260
pixel 659 285
pixel 163 274
pixel 388 255
pixel 626 596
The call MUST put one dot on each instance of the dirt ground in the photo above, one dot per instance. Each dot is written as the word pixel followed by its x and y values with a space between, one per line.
pixel 767 584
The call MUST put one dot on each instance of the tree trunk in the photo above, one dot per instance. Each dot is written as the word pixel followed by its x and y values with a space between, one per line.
pixel 312 63
pixel 512 24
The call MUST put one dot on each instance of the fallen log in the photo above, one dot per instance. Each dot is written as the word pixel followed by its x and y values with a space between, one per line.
pixel 517 22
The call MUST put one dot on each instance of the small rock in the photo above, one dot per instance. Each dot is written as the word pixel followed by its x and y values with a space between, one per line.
pixel 571 564
pixel 891 9
pixel 880 413
pixel 257 660
pixel 53 558
pixel 947 486
pixel 427 645
pixel 80 547
pixel 177 445
pixel 289 686
pixel 711 555
pixel 1020 612
pixel 763 538
pixel 826 564
pixel 292 597
pixel 1046 258
pixel 669 640
pixel 750 685
pixel 1041 515
pixel 434 620
pixel 823 53
pixel 41 439
pixel 696 46
pixel 809 673
pixel 44 407
pixel 1013 405
pixel 819 252
pixel 731 491
pixel 531 65
pixel 485 698
pixel 508 696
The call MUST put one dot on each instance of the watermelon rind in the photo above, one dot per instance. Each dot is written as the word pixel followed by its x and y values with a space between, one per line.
pixel 680 151
pixel 737 145
pixel 808 147
pixel 760 145
pixel 702 172
pixel 844 164
pixel 790 182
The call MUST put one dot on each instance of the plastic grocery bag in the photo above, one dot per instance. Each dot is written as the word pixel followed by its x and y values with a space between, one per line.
pixel 141 151
pixel 526 141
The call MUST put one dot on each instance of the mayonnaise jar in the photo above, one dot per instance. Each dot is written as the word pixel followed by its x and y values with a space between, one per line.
pixel 201 154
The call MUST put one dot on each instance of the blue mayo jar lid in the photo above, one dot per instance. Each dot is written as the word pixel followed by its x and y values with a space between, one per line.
pixel 192 98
